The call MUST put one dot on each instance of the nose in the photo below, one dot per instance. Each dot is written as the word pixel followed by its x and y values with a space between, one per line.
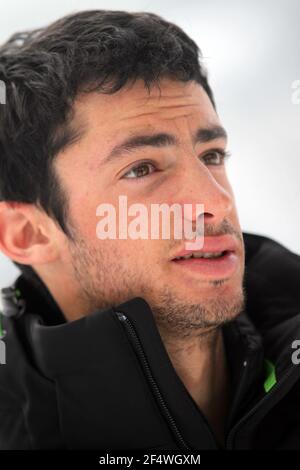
pixel 199 186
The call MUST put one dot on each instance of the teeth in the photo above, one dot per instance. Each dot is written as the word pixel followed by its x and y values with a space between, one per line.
pixel 199 254
pixel 208 255
pixel 185 257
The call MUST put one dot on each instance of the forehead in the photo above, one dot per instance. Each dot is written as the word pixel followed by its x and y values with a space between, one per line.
pixel 133 107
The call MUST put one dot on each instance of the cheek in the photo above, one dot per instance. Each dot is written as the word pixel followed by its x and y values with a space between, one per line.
pixel 83 213
pixel 90 225
pixel 85 192
pixel 85 221
pixel 139 258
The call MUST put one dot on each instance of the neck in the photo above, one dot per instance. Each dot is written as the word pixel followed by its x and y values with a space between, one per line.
pixel 200 363
pixel 66 293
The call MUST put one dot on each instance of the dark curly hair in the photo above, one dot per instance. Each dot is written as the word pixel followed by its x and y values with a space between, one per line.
pixel 44 70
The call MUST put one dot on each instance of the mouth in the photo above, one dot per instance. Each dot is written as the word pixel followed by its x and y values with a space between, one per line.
pixel 217 259
pixel 201 254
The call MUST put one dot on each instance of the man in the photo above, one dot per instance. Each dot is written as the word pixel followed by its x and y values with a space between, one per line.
pixel 129 343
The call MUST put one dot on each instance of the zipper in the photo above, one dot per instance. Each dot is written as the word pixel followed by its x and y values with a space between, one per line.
pixel 233 431
pixel 135 341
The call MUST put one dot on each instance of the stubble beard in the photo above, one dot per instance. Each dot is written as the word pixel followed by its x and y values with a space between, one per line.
pixel 104 286
pixel 176 318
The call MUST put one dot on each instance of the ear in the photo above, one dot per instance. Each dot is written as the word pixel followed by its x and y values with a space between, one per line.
pixel 27 234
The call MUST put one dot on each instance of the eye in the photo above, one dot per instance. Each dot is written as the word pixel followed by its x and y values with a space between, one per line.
pixel 216 157
pixel 139 171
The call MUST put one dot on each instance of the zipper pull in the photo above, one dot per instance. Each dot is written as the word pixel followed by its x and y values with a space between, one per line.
pixel 121 316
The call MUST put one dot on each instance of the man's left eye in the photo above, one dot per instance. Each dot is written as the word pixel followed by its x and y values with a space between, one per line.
pixel 215 157
pixel 139 171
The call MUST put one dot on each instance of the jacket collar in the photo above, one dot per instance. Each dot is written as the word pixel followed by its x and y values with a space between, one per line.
pixel 98 346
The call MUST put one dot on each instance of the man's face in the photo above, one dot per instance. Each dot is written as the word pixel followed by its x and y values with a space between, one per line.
pixel 111 271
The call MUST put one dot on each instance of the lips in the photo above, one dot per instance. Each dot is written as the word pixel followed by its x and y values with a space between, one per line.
pixel 217 258
pixel 220 244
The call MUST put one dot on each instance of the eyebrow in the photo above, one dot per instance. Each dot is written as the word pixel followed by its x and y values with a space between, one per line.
pixel 202 135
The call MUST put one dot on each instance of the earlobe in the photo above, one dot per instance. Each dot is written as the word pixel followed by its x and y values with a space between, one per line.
pixel 22 235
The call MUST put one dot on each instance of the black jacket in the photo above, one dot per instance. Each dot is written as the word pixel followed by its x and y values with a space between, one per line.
pixel 106 382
